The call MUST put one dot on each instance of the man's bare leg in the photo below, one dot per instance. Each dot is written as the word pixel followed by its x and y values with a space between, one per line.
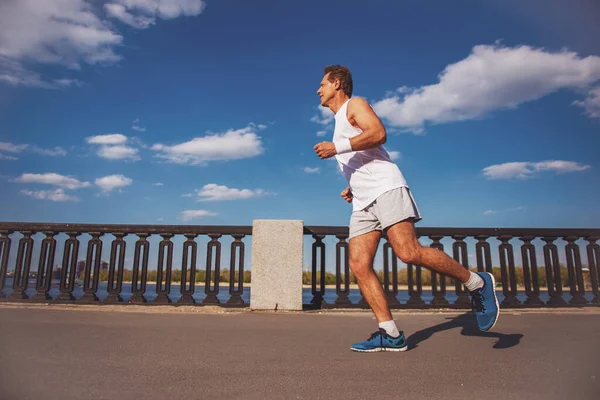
pixel 362 252
pixel 387 337
pixel 407 248
pixel 403 240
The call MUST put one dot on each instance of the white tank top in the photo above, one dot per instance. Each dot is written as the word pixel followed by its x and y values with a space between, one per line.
pixel 369 173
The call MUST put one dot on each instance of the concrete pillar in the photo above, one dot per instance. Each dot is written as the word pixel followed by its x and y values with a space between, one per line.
pixel 277 247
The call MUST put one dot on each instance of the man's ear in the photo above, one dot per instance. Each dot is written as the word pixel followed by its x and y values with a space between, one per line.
pixel 337 85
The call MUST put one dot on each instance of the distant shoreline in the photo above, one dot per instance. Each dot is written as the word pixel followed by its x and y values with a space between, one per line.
pixel 449 285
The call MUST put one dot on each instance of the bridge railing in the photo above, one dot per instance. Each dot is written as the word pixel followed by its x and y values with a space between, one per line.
pixel 86 276
pixel 532 267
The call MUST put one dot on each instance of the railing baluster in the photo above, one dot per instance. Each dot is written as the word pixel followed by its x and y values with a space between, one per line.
pixel 507 269
pixel 553 277
pixel 575 271
pixel 162 276
pixel 91 274
pixel 21 278
pixel 118 247
pixel 212 294
pixel 530 272
pixel 318 294
pixel 44 274
pixel 342 295
pixel 138 286
pixel 459 251
pixel 484 254
pixel 439 294
pixel 69 268
pixel 415 298
pixel 392 295
pixel 189 246
pixel 235 294
pixel 593 253
pixel 5 242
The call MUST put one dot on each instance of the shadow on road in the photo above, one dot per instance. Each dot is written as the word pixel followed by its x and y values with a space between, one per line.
pixel 469 328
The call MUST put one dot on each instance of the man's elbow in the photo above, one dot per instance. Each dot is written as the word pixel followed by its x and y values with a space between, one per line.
pixel 382 137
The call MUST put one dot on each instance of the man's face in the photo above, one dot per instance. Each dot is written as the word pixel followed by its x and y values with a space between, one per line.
pixel 326 90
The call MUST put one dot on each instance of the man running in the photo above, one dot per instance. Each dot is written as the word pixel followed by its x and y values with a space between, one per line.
pixel 382 201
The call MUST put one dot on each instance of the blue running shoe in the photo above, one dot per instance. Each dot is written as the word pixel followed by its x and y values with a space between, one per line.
pixel 485 303
pixel 381 341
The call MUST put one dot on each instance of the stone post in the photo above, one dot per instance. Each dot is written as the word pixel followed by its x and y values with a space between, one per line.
pixel 277 247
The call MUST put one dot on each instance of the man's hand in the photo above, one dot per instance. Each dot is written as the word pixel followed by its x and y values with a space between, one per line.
pixel 325 150
pixel 347 195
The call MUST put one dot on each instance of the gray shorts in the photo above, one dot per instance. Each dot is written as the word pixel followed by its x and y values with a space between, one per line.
pixel 391 207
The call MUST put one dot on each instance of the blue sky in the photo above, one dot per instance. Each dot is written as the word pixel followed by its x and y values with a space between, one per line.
pixel 205 112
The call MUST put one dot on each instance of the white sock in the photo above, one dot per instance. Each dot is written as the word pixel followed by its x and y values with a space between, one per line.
pixel 390 328
pixel 475 282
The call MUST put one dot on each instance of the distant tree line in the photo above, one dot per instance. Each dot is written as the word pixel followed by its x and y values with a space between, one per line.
pixel 426 276
pixel 224 276
pixel 152 276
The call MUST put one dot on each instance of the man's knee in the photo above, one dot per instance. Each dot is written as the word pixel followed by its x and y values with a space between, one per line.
pixel 409 253
pixel 360 266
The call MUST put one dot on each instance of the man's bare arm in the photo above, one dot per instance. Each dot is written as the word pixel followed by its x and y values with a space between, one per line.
pixel 373 133
pixel 362 115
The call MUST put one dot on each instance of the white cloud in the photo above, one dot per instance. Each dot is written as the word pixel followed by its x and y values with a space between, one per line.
pixel 231 145
pixel 14 74
pixel 214 192
pixel 160 219
pixel 560 166
pixel 71 33
pixel 591 103
pixel 158 184
pixel 310 170
pixel 119 12
pixel 141 14
pixel 189 215
pixel 64 83
pixel 113 138
pixel 394 155
pixel 18 148
pixel 62 181
pixel 53 195
pixel 111 182
pixel 490 78
pixel 55 31
pixel 187 195
pixel 5 157
pixel 137 127
pixel 55 152
pixel 118 153
pixel 12 148
pixel 525 170
pixel 324 116
pixel 113 147
pixel 491 212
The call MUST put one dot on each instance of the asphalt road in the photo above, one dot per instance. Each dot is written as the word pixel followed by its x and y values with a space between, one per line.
pixel 71 354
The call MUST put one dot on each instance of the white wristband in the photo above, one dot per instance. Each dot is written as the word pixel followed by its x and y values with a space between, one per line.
pixel 343 146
